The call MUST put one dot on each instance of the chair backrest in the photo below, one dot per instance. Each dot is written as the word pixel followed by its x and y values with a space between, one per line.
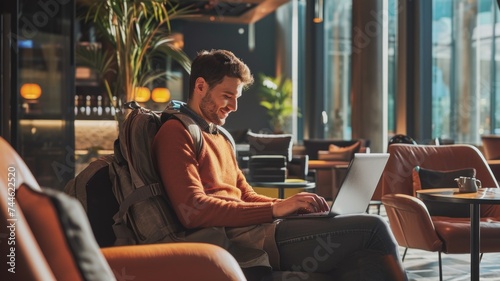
pixel 312 146
pixel 29 261
pixel 397 176
pixel 101 207
pixel 270 144
pixel 491 146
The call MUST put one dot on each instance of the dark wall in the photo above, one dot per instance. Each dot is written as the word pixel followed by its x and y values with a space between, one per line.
pixel 262 59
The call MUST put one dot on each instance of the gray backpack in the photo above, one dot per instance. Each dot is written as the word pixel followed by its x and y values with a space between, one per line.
pixel 144 212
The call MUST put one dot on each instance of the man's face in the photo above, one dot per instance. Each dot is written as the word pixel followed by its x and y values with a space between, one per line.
pixel 221 100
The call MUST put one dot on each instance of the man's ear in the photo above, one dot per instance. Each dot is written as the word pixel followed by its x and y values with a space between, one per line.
pixel 200 85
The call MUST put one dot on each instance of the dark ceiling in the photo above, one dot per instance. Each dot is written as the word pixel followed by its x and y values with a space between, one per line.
pixel 218 8
pixel 222 11
pixel 230 11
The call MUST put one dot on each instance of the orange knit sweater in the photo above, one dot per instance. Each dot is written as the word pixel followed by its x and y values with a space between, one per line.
pixel 208 191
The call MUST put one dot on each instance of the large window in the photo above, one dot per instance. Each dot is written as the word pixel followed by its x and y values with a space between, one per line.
pixel 337 68
pixel 464 90
pixel 464 68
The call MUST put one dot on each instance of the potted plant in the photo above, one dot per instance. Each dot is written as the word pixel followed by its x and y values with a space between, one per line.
pixel 138 34
pixel 276 96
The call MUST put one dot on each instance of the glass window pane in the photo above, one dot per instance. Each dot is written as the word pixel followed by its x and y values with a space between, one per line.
pixel 46 86
pixel 337 68
pixel 463 52
pixel 338 35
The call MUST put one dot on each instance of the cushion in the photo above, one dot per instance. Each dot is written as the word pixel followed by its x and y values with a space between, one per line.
pixel 338 153
pixel 61 228
pixel 270 144
pixel 427 178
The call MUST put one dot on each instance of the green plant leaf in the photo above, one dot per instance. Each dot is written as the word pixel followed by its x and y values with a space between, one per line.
pixel 275 95
pixel 135 30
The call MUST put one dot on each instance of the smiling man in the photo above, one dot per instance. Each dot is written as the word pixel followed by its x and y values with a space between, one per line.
pixel 215 203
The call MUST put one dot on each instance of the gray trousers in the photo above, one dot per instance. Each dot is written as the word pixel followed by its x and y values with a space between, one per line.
pixel 348 247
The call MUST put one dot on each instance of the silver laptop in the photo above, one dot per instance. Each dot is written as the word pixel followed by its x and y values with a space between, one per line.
pixel 357 189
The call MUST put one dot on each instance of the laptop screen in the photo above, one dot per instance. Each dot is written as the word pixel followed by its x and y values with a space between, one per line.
pixel 362 178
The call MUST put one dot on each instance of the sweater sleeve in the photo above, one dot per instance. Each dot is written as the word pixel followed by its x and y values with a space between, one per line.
pixel 178 167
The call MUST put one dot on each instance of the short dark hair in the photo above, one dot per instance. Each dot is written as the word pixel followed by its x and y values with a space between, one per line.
pixel 214 65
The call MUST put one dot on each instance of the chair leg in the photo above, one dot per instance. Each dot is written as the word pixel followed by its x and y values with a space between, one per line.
pixel 404 254
pixel 440 267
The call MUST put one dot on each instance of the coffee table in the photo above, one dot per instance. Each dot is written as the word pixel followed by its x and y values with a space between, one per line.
pixel 475 199
pixel 289 183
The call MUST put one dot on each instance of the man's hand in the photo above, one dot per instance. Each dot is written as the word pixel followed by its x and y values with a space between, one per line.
pixel 301 202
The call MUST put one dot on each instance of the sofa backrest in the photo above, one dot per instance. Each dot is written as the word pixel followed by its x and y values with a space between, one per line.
pixel 397 175
pixel 491 146
pixel 312 146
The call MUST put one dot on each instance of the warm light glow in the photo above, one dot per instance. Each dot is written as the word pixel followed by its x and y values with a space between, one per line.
pixel 317 20
pixel 83 72
pixel 142 94
pixel 318 11
pixel 178 40
pixel 31 91
pixel 160 95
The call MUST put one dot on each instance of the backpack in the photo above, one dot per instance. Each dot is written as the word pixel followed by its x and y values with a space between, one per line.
pixel 145 214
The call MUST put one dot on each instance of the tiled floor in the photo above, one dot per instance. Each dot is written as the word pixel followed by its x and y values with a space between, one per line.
pixel 424 266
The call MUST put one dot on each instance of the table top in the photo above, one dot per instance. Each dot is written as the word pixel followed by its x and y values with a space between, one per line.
pixel 493 162
pixel 290 183
pixel 482 196
pixel 322 164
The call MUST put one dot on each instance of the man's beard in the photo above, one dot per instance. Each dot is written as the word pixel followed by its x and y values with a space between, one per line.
pixel 209 110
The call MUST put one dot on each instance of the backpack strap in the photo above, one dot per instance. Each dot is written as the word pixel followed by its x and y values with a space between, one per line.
pixel 228 136
pixel 190 120
pixel 123 233
pixel 193 129
pixel 172 110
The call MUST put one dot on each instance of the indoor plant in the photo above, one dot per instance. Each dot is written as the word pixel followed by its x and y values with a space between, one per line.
pixel 138 34
pixel 276 96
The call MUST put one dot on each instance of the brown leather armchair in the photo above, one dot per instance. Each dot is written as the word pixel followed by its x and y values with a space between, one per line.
pixel 491 151
pixel 409 218
pixel 491 146
pixel 44 250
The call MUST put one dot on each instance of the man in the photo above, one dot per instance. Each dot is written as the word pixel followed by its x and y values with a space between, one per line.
pixel 210 191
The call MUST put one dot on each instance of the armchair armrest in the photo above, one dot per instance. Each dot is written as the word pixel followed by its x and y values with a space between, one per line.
pixel 175 261
pixel 411 223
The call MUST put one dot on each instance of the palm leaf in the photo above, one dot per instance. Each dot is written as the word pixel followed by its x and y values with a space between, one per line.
pixel 136 31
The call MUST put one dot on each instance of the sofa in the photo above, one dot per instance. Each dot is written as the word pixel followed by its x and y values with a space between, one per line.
pixel 49 238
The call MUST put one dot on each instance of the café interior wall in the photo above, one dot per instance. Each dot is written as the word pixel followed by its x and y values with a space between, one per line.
pixel 260 59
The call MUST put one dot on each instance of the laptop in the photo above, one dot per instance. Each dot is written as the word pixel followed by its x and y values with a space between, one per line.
pixel 357 188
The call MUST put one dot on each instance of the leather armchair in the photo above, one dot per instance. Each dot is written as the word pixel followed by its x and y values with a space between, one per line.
pixel 491 151
pixel 409 218
pixel 43 251
pixel 491 146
